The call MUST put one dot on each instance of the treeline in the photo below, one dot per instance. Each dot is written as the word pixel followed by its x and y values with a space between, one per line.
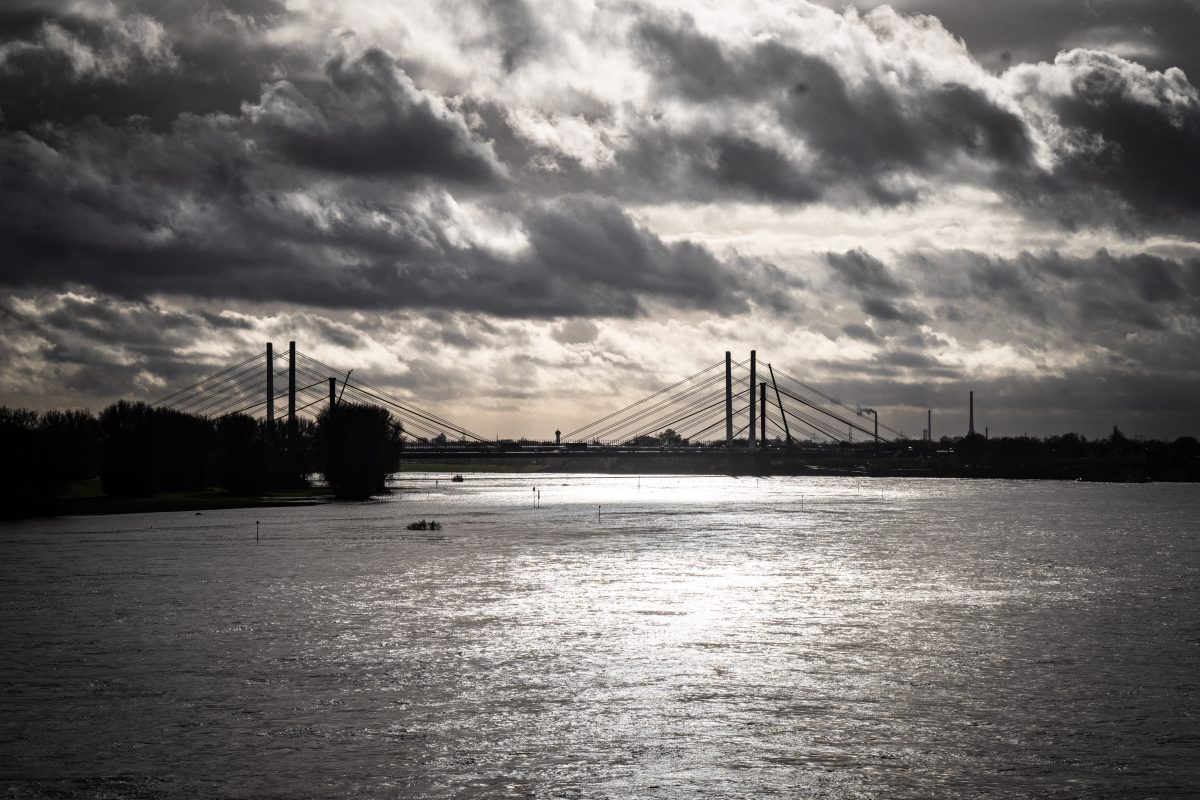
pixel 138 451
pixel 1069 456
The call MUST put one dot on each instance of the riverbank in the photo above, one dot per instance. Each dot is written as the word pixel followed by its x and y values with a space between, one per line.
pixel 87 498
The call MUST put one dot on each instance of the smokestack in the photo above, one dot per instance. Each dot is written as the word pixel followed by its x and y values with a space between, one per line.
pixel 971 424
pixel 929 424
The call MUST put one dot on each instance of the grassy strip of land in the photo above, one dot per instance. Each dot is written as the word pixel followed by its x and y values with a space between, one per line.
pixel 86 497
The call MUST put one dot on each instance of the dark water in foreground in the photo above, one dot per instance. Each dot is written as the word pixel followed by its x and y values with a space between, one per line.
pixel 707 637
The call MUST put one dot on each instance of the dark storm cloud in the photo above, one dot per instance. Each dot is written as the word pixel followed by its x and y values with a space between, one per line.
pixel 860 135
pixel 860 270
pixel 371 120
pixel 153 61
pixel 860 332
pixel 585 257
pixel 1098 298
pixel 887 311
pixel 1135 134
pixel 909 358
pixel 759 169
pixel 137 213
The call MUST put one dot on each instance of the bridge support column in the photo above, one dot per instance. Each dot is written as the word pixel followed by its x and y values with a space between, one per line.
pixel 291 421
pixel 753 383
pixel 332 394
pixel 762 412
pixel 270 386
pixel 728 397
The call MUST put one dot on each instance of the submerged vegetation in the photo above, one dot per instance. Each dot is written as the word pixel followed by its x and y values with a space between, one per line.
pixel 357 447
pixel 137 452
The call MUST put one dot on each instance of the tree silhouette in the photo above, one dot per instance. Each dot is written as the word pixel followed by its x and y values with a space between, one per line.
pixel 358 446
pixel 127 432
pixel 182 443
pixel 241 459
pixel 27 484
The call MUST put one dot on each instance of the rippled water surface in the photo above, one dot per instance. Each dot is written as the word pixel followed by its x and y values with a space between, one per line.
pixel 699 637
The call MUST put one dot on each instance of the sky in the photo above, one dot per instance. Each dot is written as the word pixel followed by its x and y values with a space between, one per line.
pixel 524 215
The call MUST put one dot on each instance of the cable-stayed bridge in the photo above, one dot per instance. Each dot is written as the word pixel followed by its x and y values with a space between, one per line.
pixel 732 402
pixel 292 386
pixel 729 408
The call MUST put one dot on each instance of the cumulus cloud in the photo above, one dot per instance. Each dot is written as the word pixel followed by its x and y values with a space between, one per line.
pixel 66 62
pixel 1114 125
pixel 111 51
pixel 828 103
pixel 864 272
pixel 192 213
pixel 370 119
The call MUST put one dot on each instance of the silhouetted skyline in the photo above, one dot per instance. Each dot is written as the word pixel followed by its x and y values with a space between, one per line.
pixel 526 215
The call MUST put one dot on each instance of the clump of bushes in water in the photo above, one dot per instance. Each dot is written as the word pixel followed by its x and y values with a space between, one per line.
pixel 358 446
pixel 432 525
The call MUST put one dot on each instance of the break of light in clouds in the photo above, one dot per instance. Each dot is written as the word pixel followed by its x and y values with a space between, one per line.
pixel 526 214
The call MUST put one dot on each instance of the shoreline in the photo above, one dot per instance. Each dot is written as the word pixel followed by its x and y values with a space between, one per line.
pixel 85 498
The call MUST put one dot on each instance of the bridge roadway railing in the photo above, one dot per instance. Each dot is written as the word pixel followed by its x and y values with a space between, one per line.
pixel 534 450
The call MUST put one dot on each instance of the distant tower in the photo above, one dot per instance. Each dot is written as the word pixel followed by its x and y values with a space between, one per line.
pixel 929 424
pixel 558 437
pixel 971 425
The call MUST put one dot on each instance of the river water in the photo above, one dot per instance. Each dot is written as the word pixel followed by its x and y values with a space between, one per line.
pixel 655 637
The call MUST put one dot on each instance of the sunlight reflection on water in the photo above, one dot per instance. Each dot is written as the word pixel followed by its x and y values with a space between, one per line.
pixel 701 637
